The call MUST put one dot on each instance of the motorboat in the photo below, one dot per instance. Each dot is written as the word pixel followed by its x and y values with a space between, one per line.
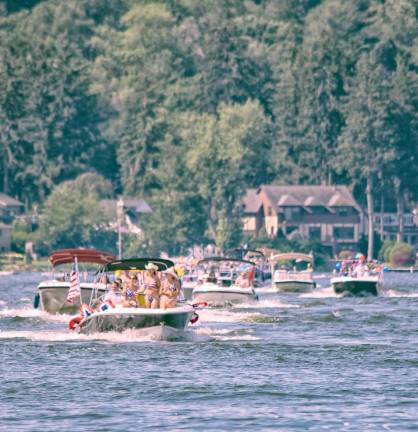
pixel 52 293
pixel 226 281
pixel 119 318
pixel 356 286
pixel 262 267
pixel 294 272
pixel 189 283
pixel 357 278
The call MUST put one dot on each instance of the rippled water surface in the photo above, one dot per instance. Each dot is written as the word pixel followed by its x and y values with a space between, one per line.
pixel 292 362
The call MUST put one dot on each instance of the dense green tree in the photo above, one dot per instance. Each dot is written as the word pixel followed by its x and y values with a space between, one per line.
pixel 73 217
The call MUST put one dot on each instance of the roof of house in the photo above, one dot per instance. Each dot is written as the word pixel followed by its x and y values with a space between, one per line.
pixel 139 205
pixel 251 201
pixel 6 200
pixel 309 196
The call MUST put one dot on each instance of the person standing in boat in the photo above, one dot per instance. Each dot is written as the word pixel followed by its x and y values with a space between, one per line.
pixel 170 290
pixel 151 285
pixel 130 291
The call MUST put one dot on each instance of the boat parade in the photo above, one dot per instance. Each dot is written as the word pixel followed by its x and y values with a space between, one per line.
pixel 101 293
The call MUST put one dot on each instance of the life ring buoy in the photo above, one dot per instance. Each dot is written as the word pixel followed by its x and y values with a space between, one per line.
pixel 74 322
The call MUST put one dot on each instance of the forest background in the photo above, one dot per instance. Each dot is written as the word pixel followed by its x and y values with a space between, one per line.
pixel 187 103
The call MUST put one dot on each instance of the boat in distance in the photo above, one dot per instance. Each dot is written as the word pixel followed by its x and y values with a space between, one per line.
pixel 292 279
pixel 52 294
pixel 229 281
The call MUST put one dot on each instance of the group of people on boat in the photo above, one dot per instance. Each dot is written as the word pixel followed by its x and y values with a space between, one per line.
pixel 145 289
pixel 358 267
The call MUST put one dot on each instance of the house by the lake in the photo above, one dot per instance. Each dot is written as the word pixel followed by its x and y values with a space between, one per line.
pixel 328 214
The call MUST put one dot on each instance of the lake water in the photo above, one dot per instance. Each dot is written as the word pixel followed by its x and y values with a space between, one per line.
pixel 292 362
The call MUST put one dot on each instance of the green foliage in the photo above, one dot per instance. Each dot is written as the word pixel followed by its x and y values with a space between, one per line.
pixel 21 233
pixel 73 217
pixel 385 250
pixel 188 103
pixel 401 254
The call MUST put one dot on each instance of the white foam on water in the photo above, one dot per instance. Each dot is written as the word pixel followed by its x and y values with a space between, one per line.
pixel 266 303
pixel 33 313
pixel 225 316
pixel 222 334
pixel 320 293
pixel 25 299
pixel 128 336
pixel 3 302
pixel 265 290
pixel 394 293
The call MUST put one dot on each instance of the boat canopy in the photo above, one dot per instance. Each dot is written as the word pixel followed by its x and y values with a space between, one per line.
pixel 138 264
pixel 93 256
pixel 246 252
pixel 291 256
pixel 220 259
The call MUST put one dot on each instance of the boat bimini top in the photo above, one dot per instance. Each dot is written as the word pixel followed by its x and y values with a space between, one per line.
pixel 291 256
pixel 224 259
pixel 90 256
pixel 138 264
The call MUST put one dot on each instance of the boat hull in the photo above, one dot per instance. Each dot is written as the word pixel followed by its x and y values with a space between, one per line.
pixel 120 319
pixel 53 297
pixel 218 296
pixel 355 287
pixel 294 286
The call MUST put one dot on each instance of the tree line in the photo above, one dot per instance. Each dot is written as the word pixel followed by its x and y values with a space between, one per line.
pixel 188 103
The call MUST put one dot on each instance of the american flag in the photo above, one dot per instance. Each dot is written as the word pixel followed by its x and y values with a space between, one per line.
pixel 74 290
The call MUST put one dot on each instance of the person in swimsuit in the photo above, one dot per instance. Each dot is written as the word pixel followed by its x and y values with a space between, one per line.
pixel 129 292
pixel 152 286
pixel 170 290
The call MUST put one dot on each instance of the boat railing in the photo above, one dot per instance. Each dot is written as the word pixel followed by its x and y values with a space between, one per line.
pixel 284 275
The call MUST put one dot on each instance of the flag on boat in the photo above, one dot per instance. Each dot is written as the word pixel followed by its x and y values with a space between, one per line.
pixel 74 290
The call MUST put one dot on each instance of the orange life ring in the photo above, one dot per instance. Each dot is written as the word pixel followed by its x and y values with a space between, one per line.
pixel 74 322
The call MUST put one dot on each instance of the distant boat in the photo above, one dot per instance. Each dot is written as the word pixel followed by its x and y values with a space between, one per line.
pixel 292 279
pixel 52 293
pixel 220 286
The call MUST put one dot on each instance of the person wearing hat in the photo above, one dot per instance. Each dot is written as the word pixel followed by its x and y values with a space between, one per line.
pixel 151 285
pixel 170 290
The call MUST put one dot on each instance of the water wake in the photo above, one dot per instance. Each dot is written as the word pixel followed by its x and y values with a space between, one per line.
pixel 394 293
pixel 27 312
pixel 320 293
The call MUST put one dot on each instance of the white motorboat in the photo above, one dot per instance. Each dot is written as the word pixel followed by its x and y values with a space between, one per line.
pixel 188 283
pixel 293 279
pixel 119 318
pixel 221 287
pixel 52 294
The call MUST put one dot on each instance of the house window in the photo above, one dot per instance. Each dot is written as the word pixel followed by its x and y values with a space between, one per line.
pixel 346 233
pixel 270 211
pixel 344 211
pixel 315 233
pixel 377 220
pixel 272 230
